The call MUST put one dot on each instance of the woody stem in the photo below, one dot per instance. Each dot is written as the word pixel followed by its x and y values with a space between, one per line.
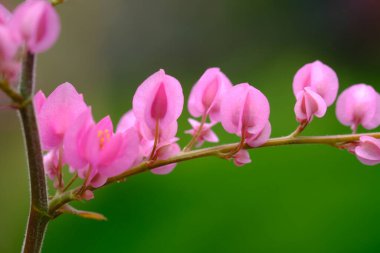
pixel 38 214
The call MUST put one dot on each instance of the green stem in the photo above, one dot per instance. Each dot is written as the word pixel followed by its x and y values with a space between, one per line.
pixel 38 217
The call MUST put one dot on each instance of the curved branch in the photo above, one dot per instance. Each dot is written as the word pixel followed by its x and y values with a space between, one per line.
pixel 332 140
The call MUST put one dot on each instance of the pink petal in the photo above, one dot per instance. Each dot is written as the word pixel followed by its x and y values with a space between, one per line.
pixel 38 24
pixel 206 94
pixel 58 114
pixel 309 103
pixel 120 153
pixel 75 140
pixel 320 78
pixel 126 122
pixel 210 136
pixel 241 158
pixel 261 138
pixel 158 98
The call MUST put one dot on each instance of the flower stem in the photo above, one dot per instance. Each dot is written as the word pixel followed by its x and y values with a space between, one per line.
pixel 194 140
pixel 332 140
pixel 38 214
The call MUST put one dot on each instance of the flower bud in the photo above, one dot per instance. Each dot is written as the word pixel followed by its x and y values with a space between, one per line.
pixel 359 105
pixel 368 150
pixel 37 24
pixel 245 110
pixel 207 93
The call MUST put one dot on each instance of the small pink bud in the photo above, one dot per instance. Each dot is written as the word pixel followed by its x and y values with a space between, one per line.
pixel 51 163
pixel 206 133
pixel 241 158
pixel 308 104
pixel 158 101
pixel 207 93
pixel 163 153
pixel 368 150
pixel 320 78
pixel 359 105
pixel 37 24
pixel 244 110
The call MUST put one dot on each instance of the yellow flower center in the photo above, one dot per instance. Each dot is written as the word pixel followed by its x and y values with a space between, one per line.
pixel 104 137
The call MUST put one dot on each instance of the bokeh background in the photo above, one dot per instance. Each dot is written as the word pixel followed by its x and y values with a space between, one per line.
pixel 289 199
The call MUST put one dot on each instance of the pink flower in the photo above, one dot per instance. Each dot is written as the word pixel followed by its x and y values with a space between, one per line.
pixel 315 86
pixel 96 152
pixel 57 113
pixel 206 133
pixel 241 158
pixel 207 93
pixel 37 24
pixel 245 111
pixel 359 105
pixel 164 152
pixel 157 104
pixel 368 150
pixel 308 104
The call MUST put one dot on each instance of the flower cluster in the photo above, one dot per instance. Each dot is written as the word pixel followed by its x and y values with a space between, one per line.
pixel 34 25
pixel 316 85
pixel 96 152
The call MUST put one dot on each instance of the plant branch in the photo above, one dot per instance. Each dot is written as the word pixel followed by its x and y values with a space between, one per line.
pixel 38 214
pixel 332 140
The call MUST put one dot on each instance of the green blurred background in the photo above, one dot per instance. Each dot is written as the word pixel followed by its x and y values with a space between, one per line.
pixel 289 199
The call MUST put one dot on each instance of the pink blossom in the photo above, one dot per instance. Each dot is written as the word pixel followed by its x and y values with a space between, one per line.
pixel 241 158
pixel 308 104
pixel 96 152
pixel 368 150
pixel 158 102
pixel 245 110
pixel 359 105
pixel 57 113
pixel 206 133
pixel 320 78
pixel 207 93
pixel 164 152
pixel 36 23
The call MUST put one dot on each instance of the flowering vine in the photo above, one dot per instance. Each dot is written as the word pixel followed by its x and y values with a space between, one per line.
pixel 61 135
